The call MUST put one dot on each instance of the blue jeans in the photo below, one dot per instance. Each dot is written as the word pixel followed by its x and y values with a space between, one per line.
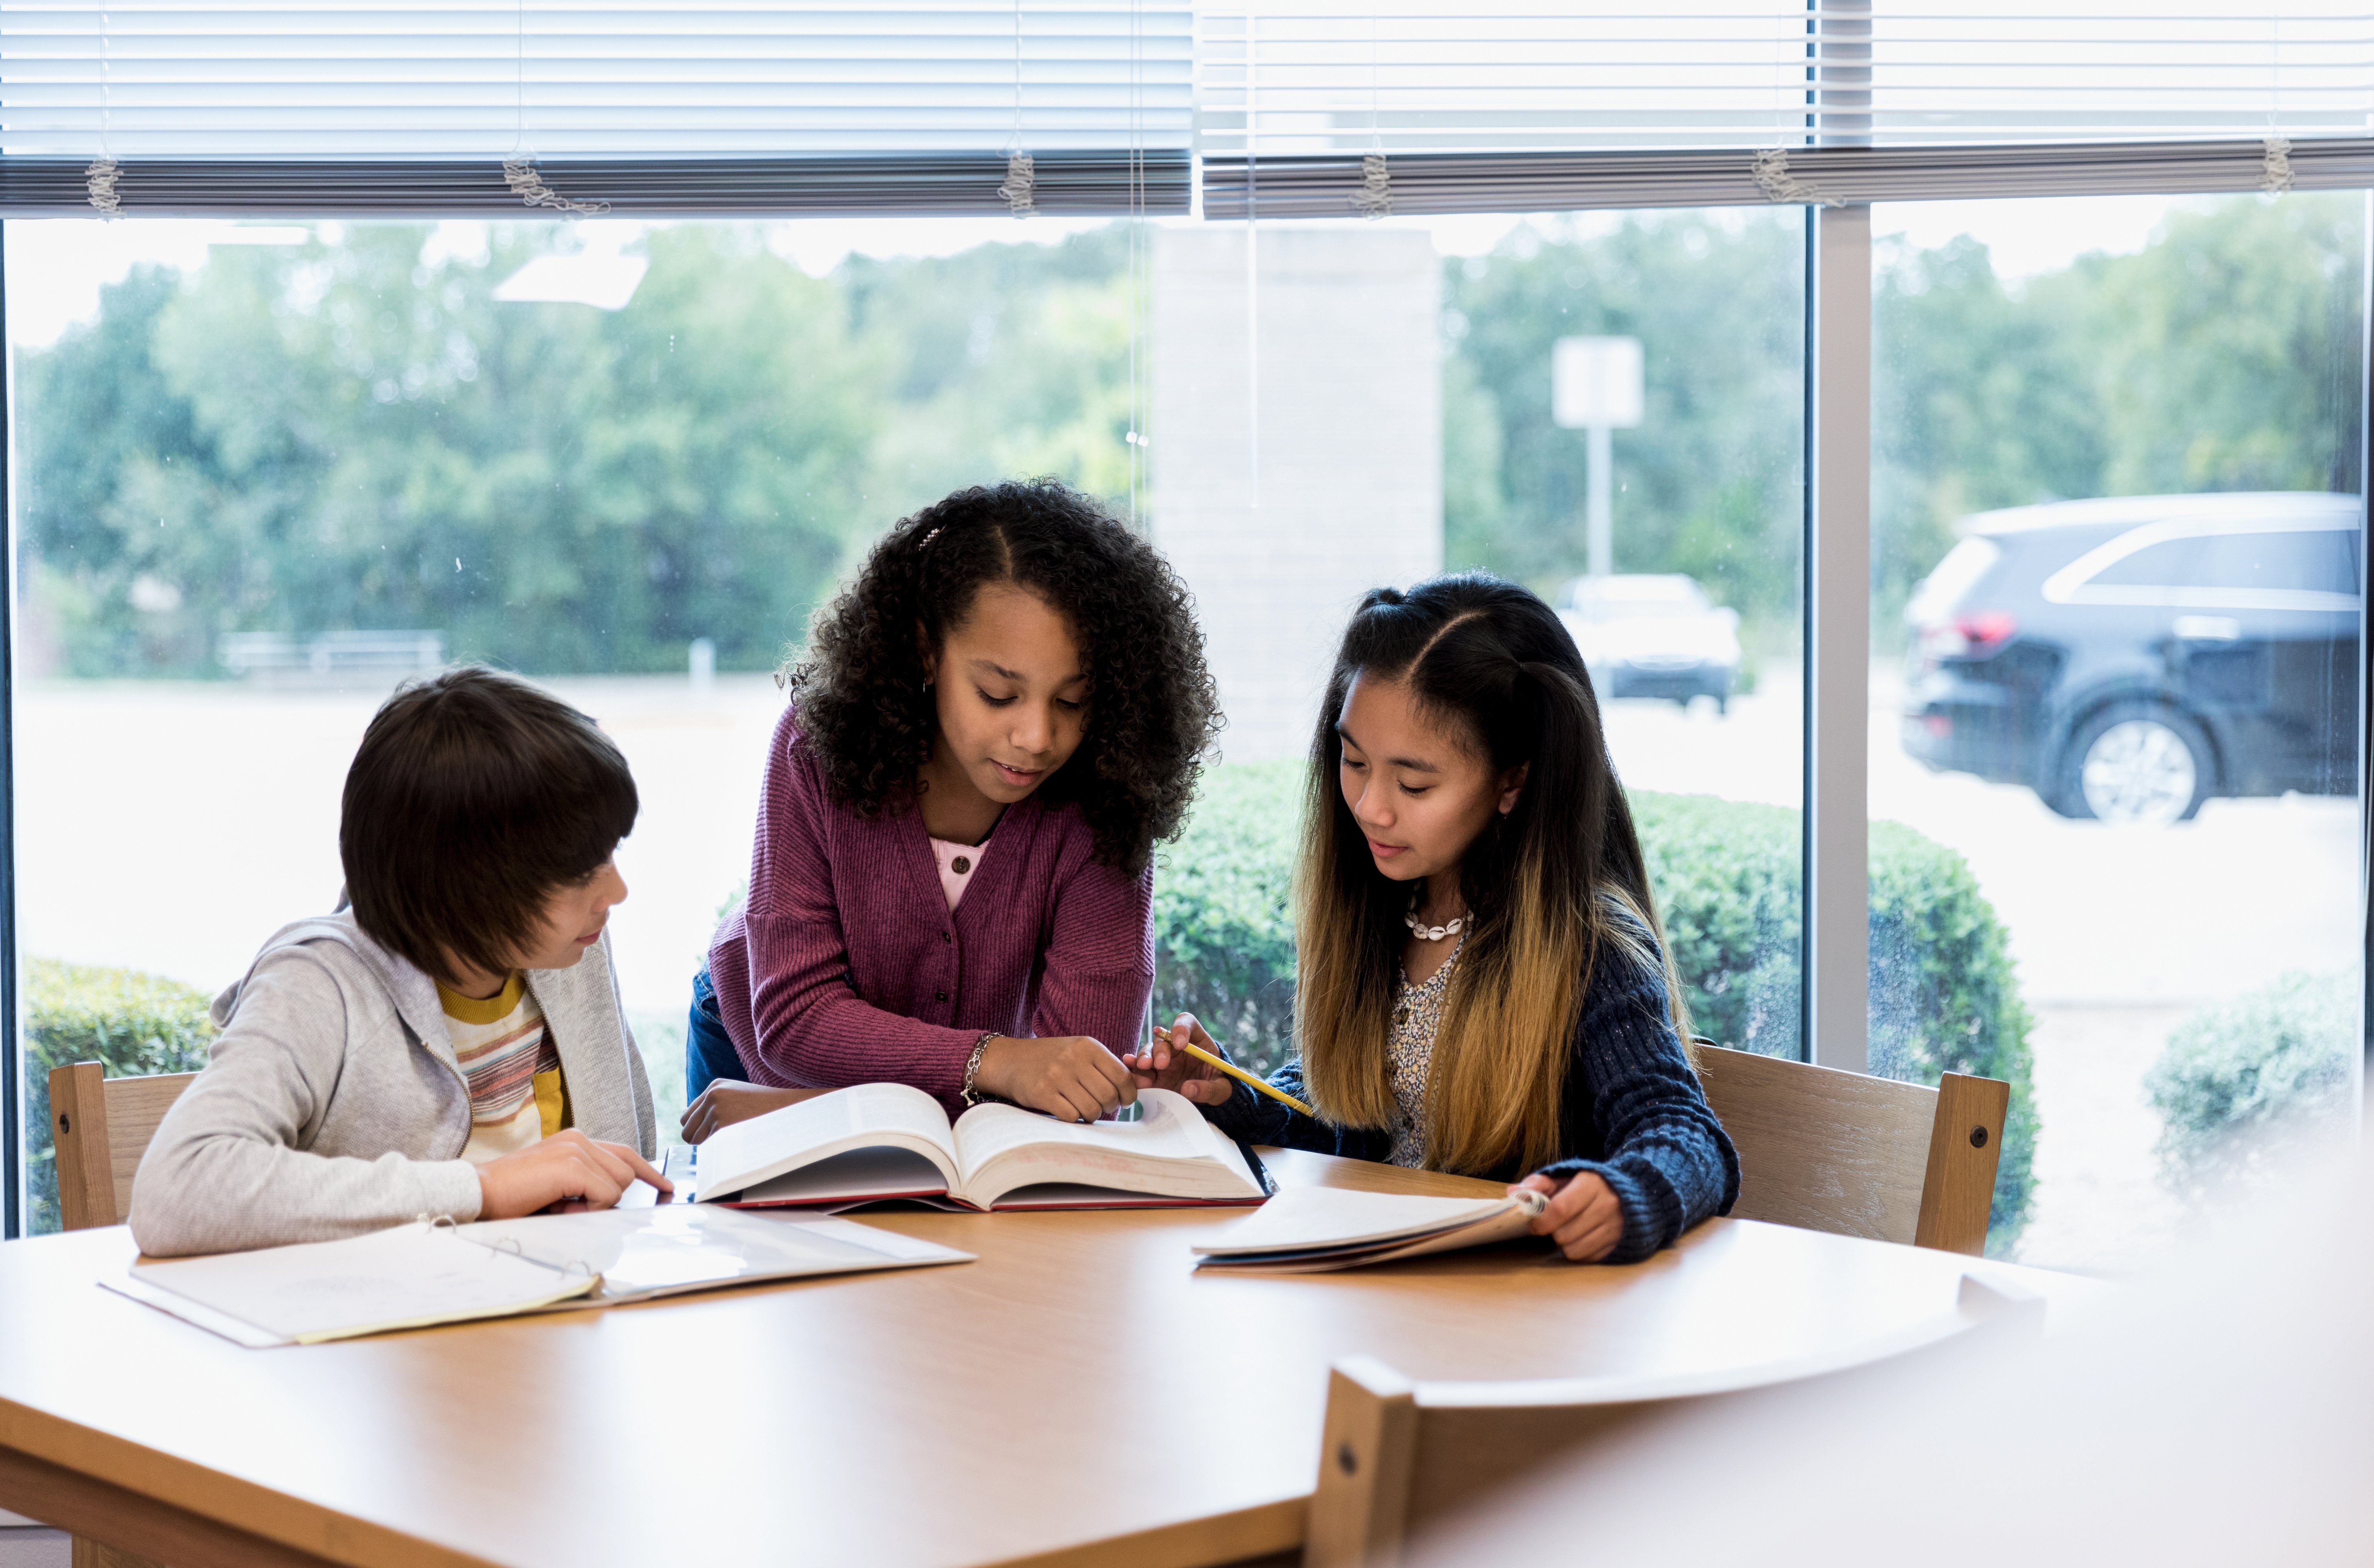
pixel 708 1051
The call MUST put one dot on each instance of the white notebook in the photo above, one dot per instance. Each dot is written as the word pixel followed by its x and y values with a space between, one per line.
pixel 879 1141
pixel 1309 1230
pixel 415 1275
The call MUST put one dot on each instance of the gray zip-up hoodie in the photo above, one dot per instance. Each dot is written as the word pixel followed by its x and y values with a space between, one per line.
pixel 332 1104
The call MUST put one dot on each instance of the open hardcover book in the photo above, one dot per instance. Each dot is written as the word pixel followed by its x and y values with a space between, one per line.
pixel 888 1141
pixel 1309 1230
pixel 414 1275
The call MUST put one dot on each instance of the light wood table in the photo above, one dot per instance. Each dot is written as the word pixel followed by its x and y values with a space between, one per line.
pixel 1078 1395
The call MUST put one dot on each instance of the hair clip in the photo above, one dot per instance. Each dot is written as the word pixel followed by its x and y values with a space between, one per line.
pixel 927 540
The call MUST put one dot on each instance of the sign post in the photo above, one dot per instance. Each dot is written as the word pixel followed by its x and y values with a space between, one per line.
pixel 1595 387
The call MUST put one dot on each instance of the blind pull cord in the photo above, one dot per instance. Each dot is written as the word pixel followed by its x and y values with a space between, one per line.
pixel 2276 171
pixel 100 181
pixel 1021 178
pixel 518 169
pixel 520 174
pixel 1021 170
pixel 1374 196
pixel 1773 176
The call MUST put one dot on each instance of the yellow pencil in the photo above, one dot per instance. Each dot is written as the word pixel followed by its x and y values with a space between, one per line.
pixel 1241 1076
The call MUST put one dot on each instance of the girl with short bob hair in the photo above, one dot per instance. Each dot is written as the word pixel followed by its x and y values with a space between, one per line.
pixel 952 887
pixel 448 1043
pixel 1482 983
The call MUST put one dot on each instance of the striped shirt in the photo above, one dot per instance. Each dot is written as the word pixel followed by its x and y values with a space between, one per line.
pixel 516 1096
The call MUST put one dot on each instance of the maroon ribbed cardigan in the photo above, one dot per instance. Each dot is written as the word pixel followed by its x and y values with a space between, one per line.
pixel 845 966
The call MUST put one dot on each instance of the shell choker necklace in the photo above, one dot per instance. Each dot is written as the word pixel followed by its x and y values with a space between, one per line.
pixel 1430 933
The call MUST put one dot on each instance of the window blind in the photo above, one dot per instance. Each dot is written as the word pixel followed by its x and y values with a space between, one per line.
pixel 1319 107
pixel 874 106
pixel 1304 76
pixel 1342 187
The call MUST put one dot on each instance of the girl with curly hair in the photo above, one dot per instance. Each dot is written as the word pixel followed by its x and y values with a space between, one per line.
pixel 1481 983
pixel 953 885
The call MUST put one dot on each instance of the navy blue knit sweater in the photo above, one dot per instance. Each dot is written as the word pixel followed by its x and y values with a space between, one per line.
pixel 1633 1114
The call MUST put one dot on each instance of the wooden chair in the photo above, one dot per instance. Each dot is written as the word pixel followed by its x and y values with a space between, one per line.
pixel 102 1127
pixel 1858 1155
pixel 1394 1455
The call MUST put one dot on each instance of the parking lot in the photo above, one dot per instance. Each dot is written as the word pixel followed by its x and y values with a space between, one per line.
pixel 2118 933
pixel 171 826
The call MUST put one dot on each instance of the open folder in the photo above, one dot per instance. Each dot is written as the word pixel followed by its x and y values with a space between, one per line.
pixel 1308 1230
pixel 415 1275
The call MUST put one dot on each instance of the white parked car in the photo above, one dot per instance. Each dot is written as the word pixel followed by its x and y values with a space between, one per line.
pixel 1653 635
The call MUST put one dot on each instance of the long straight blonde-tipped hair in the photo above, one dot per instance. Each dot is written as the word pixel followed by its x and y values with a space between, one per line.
pixel 1555 888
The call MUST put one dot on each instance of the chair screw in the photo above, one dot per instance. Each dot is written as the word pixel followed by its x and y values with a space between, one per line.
pixel 1978 1138
pixel 1346 1460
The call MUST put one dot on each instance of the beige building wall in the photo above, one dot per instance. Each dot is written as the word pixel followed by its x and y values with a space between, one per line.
pixel 1296 459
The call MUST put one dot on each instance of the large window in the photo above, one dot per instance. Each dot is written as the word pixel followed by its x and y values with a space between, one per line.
pixel 1972 580
pixel 1340 406
pixel 267 472
pixel 2117 522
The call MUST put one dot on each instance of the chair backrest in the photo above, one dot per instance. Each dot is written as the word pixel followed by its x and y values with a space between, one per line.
pixel 101 1126
pixel 1394 1455
pixel 1859 1155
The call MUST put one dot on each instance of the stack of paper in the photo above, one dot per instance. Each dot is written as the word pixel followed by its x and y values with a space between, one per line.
pixel 1307 1230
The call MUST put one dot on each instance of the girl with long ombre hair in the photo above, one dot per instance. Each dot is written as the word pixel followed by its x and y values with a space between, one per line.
pixel 1480 984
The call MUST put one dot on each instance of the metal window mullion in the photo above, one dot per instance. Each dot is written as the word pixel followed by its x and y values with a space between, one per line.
pixel 1837 644
pixel 12 1056
pixel 2366 661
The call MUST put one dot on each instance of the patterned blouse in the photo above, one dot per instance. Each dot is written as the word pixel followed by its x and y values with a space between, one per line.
pixel 1417 1011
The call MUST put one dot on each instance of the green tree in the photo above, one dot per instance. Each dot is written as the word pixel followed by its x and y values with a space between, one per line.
pixel 2226 354
pixel 1004 361
pixel 1979 400
pixel 1709 484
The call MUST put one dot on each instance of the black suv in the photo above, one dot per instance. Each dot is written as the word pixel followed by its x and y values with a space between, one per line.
pixel 2130 658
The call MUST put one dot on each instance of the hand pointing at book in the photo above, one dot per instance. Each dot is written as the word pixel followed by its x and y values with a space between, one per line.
pixel 567 1167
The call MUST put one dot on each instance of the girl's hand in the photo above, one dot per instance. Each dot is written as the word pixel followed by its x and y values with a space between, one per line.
pixel 1163 1065
pixel 727 1101
pixel 1071 1076
pixel 567 1167
pixel 1583 1217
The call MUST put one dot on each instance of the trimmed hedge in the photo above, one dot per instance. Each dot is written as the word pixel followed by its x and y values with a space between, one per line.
pixel 132 1022
pixel 2240 1080
pixel 1943 995
pixel 1223 912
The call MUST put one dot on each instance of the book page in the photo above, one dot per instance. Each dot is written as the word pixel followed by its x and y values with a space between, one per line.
pixel 406 1277
pixel 1172 1150
pixel 860 1176
pixel 868 1115
pixel 660 1250
pixel 1172 1128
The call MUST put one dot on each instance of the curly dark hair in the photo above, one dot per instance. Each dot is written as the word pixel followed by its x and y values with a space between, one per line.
pixel 1152 708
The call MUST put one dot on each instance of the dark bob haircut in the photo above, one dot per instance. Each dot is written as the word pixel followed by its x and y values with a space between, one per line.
pixel 471 799
pixel 867 719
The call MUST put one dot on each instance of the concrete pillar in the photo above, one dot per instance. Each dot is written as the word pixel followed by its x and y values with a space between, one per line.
pixel 1296 450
